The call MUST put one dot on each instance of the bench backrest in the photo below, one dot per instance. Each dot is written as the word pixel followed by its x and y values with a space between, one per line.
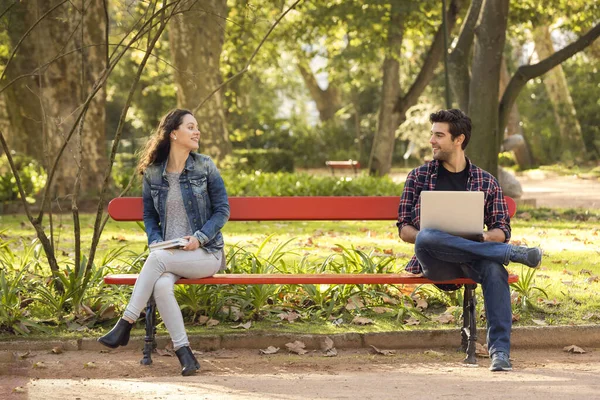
pixel 318 208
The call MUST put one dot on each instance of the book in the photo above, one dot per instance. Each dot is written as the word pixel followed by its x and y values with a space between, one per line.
pixel 168 244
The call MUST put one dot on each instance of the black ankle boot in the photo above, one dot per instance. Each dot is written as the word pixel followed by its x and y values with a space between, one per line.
pixel 118 335
pixel 188 362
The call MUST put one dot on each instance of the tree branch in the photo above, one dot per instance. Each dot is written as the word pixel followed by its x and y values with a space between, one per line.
pixel 434 54
pixel 245 69
pixel 527 72
pixel 458 59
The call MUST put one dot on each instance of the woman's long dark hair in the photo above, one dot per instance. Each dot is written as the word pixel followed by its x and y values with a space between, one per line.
pixel 159 144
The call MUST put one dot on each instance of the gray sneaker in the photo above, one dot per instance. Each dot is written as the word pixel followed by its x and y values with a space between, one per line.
pixel 500 362
pixel 530 256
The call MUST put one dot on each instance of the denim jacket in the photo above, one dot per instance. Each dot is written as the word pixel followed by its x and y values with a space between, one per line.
pixel 204 198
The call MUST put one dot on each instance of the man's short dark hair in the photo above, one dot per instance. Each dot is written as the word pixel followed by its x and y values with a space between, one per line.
pixel 458 123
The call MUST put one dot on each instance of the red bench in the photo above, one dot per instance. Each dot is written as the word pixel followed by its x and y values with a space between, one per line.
pixel 302 209
pixel 350 164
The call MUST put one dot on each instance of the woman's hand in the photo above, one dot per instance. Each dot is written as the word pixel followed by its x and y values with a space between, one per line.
pixel 193 243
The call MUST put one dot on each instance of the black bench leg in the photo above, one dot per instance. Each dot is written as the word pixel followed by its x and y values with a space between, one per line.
pixel 149 340
pixel 469 330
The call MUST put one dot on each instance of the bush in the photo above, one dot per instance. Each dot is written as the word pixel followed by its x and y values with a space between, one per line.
pixel 33 178
pixel 266 160
pixel 286 184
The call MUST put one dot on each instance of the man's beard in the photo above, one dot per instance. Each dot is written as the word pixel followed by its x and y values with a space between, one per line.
pixel 441 155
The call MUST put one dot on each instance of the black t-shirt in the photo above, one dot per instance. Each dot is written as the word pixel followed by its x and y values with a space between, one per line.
pixel 454 181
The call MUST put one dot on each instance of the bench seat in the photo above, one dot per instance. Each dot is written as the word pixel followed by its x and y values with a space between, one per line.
pixel 300 279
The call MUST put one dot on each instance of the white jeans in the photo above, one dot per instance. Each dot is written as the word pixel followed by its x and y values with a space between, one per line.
pixel 158 276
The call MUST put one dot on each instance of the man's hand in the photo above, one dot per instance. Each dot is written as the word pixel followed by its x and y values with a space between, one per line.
pixel 494 235
pixel 193 243
pixel 409 234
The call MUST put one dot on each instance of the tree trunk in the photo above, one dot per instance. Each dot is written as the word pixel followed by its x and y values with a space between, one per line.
pixel 513 127
pixel 382 151
pixel 571 146
pixel 490 36
pixel 41 109
pixel 196 39
pixel 328 101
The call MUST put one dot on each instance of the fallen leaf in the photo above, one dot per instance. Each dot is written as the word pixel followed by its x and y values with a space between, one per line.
pixel 327 344
pixel 289 316
pixel 337 249
pixel 197 353
pixel 516 317
pixel 40 365
pixel 388 251
pixel 164 353
pixel 331 353
pixel 445 318
pixel 19 389
pixel 296 347
pixel 591 279
pixel 381 310
pixel 433 353
pixel 247 325
pixel 550 303
pixel 362 321
pixel 574 349
pixel 24 355
pixel 412 321
pixel 212 322
pixel 383 352
pixel 481 350
pixel 57 350
pixel 421 304
pixel 269 350
pixel 337 321
pixel 390 300
pixel 585 271
pixel 567 272
pixel 354 303
pixel 90 364
pixel 590 316
pixel 108 313
pixel 202 319
pixel 539 322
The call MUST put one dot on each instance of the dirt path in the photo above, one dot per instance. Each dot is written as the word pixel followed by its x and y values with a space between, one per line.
pixel 550 190
pixel 353 374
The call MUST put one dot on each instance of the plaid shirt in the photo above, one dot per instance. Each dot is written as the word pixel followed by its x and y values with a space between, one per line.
pixel 425 178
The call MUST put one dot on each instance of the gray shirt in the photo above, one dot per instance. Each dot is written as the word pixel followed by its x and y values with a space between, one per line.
pixel 177 223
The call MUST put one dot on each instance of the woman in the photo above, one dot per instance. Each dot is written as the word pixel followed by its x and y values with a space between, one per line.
pixel 184 196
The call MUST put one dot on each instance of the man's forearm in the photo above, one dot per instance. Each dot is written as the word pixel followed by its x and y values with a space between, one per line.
pixel 409 234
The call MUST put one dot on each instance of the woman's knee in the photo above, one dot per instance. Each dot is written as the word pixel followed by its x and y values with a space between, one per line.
pixel 164 286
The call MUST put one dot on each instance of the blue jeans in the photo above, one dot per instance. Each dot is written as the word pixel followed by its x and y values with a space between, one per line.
pixel 445 257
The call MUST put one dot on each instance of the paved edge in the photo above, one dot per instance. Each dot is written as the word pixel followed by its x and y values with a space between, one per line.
pixel 522 337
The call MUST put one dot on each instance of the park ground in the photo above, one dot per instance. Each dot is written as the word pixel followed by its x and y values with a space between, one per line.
pixel 353 374
pixel 547 373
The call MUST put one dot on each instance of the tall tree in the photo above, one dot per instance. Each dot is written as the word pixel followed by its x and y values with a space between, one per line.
pixel 41 107
pixel 196 40
pixel 571 141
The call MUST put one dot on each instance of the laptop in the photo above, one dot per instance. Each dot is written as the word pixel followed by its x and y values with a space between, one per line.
pixel 458 213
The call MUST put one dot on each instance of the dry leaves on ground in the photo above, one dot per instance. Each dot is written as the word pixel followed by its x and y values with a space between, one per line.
pixel 412 321
pixel 296 347
pixel 289 316
pixel 574 349
pixel 362 321
pixel 382 310
pixel 383 352
pixel 481 350
pixel 247 325
pixel 327 347
pixel 433 353
pixel 269 350
pixel 355 303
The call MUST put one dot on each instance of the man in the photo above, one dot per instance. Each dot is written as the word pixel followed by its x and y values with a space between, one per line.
pixel 441 256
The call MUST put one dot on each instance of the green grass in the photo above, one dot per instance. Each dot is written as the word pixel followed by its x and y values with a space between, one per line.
pixel 570 239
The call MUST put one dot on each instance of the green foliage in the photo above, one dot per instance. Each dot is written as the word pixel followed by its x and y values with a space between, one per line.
pixel 265 160
pixel 284 184
pixel 33 178
pixel 526 289
pixel 122 171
